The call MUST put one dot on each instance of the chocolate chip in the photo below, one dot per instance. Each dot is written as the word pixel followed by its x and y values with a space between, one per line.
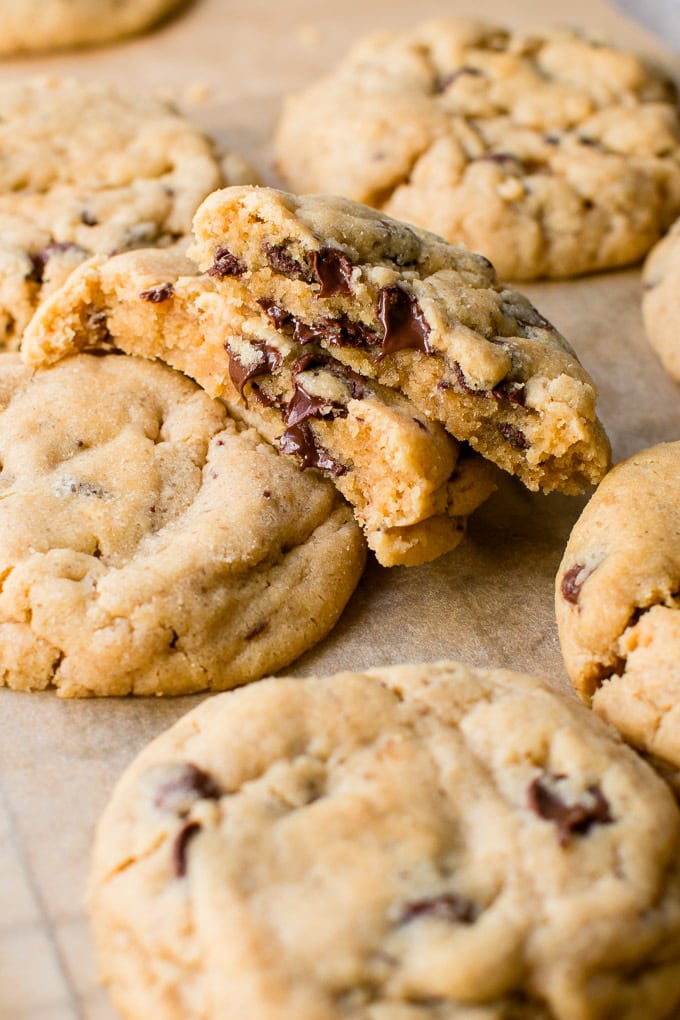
pixel 184 785
pixel 572 582
pixel 161 292
pixel 40 258
pixel 88 218
pixel 447 907
pixel 268 360
pixel 514 436
pixel 179 847
pixel 403 321
pixel 334 270
pixel 341 332
pixel 278 315
pixel 443 82
pixel 304 404
pixel 569 818
pixel 463 382
pixel 283 262
pixel 298 440
pixel 226 264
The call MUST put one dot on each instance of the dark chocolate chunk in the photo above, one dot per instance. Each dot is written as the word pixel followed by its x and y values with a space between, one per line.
pixel 444 82
pixel 298 440
pixel 403 321
pixel 334 270
pixel 463 382
pixel 514 436
pixel 226 264
pixel 569 818
pixel 184 785
pixel 179 847
pixel 278 315
pixel 161 292
pixel 572 582
pixel 268 360
pixel 283 262
pixel 39 259
pixel 449 907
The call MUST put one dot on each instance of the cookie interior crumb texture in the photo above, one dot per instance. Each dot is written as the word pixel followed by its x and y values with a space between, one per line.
pixel 410 842
pixel 553 154
pixel 149 544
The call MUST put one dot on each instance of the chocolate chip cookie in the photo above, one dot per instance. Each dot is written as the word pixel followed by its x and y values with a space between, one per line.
pixel 414 842
pixel 552 154
pixel 404 307
pixel 149 544
pixel 617 601
pixel 41 26
pixel 661 300
pixel 87 168
pixel 412 485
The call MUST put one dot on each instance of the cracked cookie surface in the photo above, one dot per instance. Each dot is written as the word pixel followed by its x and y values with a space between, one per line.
pixel 41 26
pixel 87 168
pixel 618 601
pixel 417 314
pixel 424 842
pixel 412 486
pixel 552 154
pixel 148 543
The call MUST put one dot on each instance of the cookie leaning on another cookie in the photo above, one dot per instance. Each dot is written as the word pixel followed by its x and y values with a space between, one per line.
pixel 552 154
pixel 87 168
pixel 411 485
pixel 148 543
pixel 661 301
pixel 618 601
pixel 404 307
pixel 415 842
pixel 42 26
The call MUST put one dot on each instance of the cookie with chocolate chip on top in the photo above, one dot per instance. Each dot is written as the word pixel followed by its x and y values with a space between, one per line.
pixel 552 153
pixel 420 841
pixel 89 168
pixel 618 601
pixel 151 545
pixel 405 308
pixel 411 485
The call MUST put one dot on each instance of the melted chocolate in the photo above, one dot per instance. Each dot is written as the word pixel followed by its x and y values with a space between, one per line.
pixel 186 785
pixel 572 581
pixel 268 360
pixel 403 321
pixel 448 907
pixel 334 270
pixel 305 405
pixel 464 384
pixel 226 264
pixel 161 292
pixel 179 847
pixel 278 315
pixel 569 818
pixel 283 262
pixel 298 440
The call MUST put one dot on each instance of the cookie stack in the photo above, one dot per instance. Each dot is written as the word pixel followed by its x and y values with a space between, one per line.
pixel 224 395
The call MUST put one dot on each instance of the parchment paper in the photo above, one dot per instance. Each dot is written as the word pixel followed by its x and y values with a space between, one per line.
pixel 490 602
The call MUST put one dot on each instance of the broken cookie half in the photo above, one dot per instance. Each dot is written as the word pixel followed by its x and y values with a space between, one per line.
pixel 361 346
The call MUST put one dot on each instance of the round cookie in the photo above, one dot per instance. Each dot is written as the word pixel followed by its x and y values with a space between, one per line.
pixel 550 154
pixel 661 299
pixel 42 26
pixel 617 601
pixel 416 842
pixel 148 543
pixel 88 169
